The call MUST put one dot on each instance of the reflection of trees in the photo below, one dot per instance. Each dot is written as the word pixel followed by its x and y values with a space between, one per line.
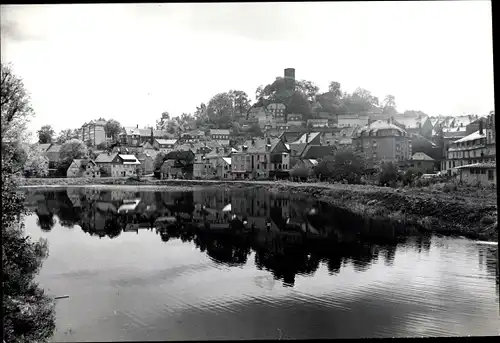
pixel 228 250
pixel 285 254
pixel 286 266
pixel 46 222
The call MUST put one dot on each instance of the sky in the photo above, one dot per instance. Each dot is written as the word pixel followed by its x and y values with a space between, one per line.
pixel 131 62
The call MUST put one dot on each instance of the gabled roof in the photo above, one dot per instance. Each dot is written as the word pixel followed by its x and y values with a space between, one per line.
pixel 420 156
pixel 227 160
pixel 43 147
pixel 54 148
pixel 166 141
pixel 306 138
pixel 146 132
pixel 296 149
pixel 82 163
pixel 317 151
pixel 129 159
pixel 381 125
pixel 487 165
pixel 471 137
pixel 105 158
pixel 258 145
pixel 219 132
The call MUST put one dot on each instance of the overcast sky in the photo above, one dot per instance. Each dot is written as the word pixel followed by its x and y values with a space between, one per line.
pixel 131 62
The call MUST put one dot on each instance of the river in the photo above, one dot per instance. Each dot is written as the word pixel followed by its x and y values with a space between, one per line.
pixel 127 280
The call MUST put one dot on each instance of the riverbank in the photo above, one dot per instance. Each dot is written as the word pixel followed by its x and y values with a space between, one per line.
pixel 469 212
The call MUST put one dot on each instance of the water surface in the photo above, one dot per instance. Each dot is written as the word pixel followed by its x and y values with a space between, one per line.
pixel 177 284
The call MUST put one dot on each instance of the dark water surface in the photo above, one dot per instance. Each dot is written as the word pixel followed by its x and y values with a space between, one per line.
pixel 131 279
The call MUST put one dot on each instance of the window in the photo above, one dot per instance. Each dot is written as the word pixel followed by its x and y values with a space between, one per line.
pixel 490 175
pixel 483 171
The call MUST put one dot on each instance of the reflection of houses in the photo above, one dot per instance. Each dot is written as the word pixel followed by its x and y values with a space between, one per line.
pixel 83 168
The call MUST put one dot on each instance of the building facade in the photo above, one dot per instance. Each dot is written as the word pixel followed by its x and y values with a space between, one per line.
pixel 383 141
pixel 93 133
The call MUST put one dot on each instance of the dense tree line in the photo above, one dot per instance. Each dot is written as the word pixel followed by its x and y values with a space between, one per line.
pixel 28 313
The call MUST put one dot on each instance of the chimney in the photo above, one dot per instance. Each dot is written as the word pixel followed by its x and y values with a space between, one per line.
pixel 307 137
pixel 217 150
pixel 253 141
pixel 137 126
pixel 480 127
pixel 269 140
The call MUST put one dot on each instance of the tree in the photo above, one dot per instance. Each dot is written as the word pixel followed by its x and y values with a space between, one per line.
pixel 28 313
pixel 345 164
pixel 241 103
pixel 36 163
pixel 361 101
pixel 160 157
pixel 162 123
pixel 15 106
pixel 255 130
pixel 65 135
pixel 387 173
pixel 389 105
pixel 300 171
pixel 220 110
pixel 45 134
pixel 71 150
pixel 112 128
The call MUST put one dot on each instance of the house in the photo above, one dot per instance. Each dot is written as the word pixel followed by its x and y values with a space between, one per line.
pixel 164 145
pixel 277 111
pixel 53 154
pixel 309 138
pixel 481 173
pixel 315 123
pixel 117 165
pixel 382 140
pixel 93 133
pixel 128 166
pixel 191 136
pixel 220 136
pixel 133 136
pixel 421 163
pixel 261 158
pixel 261 114
pixel 218 164
pixel 478 147
pixel 473 126
pixel 43 147
pixel 83 168
pixel 178 164
pixel 350 120
pixel 295 119
pixel 317 151
pixel 306 163
pixel 147 163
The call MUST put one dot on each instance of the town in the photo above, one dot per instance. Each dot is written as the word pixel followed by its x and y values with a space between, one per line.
pixel 291 132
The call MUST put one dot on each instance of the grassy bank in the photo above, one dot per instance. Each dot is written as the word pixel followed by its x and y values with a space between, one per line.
pixel 469 212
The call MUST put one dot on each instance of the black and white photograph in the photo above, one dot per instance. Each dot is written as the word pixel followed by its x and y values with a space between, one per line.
pixel 248 170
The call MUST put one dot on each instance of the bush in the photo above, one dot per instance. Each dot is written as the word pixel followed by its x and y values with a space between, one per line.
pixel 345 164
pixel 301 172
pixel 28 313
pixel 388 173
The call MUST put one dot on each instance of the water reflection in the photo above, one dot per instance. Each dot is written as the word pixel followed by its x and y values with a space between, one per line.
pixel 290 236
pixel 262 260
